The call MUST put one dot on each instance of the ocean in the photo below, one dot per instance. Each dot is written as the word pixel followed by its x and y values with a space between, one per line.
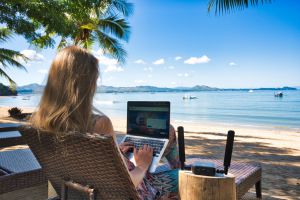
pixel 258 108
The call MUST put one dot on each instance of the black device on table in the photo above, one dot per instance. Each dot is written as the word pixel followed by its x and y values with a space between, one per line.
pixel 205 168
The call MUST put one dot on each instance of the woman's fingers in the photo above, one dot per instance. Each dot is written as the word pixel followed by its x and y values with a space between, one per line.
pixel 125 144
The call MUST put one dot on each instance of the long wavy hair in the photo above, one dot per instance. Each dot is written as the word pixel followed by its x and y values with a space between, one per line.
pixel 66 104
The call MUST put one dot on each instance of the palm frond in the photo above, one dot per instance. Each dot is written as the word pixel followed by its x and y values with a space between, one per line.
pixel 5 34
pixel 112 46
pixel 44 41
pixel 11 82
pixel 63 43
pixel 123 6
pixel 9 57
pixel 115 26
pixel 222 6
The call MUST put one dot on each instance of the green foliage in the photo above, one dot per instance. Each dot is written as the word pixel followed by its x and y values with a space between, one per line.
pixel 78 22
pixel 9 57
pixel 6 91
pixel 222 6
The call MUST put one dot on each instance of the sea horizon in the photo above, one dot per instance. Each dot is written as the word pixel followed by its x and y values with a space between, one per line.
pixel 236 108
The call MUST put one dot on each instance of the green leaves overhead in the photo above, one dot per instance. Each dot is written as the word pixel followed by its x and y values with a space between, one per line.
pixel 222 6
pixel 112 46
pixel 79 22
pixel 105 25
pixel 115 26
pixel 9 57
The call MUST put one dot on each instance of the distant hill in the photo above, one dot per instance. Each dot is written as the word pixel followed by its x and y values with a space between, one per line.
pixel 36 88
pixel 110 89
pixel 31 88
pixel 283 88
pixel 6 91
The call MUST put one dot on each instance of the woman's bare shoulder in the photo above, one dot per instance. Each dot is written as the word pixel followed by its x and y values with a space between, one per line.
pixel 103 125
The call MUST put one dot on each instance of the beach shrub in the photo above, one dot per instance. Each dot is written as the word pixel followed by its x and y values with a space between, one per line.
pixel 15 112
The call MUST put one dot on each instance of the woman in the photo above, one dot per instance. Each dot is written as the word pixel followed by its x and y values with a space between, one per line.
pixel 66 105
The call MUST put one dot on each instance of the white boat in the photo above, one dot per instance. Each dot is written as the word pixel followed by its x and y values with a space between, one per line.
pixel 187 96
pixel 250 91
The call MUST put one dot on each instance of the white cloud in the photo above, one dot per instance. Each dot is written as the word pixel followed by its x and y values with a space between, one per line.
pixel 149 76
pixel 103 60
pixel 171 67
pixel 159 62
pixel 100 52
pixel 33 55
pixel 140 61
pixel 139 81
pixel 43 71
pixel 114 68
pixel 183 74
pixel 178 58
pixel 111 64
pixel 173 83
pixel 197 60
pixel 232 63
pixel 148 69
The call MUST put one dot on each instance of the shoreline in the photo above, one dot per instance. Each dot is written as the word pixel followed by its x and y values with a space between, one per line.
pixel 277 150
pixel 271 136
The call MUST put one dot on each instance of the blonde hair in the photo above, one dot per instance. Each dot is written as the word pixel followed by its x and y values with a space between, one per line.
pixel 66 104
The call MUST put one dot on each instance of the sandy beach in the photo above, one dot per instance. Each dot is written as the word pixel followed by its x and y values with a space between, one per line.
pixel 277 149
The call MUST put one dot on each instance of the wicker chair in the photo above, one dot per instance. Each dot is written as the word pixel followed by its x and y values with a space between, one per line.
pixel 18 168
pixel 81 166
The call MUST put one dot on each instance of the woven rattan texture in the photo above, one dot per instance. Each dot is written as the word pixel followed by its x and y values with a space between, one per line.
pixel 22 180
pixel 85 159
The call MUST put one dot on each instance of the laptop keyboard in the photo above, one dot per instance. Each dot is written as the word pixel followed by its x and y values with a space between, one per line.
pixel 139 142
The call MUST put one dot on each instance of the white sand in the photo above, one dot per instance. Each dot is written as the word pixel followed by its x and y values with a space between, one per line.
pixel 277 149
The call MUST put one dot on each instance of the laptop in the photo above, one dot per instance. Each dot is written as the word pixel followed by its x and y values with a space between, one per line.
pixel 148 122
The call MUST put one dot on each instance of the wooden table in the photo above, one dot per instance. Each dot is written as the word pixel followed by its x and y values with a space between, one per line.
pixel 198 187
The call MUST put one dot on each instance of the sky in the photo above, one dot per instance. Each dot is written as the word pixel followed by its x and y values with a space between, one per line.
pixel 178 43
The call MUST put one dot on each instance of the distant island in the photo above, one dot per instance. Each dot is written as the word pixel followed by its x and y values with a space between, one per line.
pixel 36 88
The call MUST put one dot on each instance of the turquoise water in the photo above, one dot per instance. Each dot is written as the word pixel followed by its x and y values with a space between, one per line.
pixel 259 108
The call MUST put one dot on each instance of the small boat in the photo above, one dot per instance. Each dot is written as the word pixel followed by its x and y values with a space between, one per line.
pixel 26 98
pixel 278 94
pixel 189 97
pixel 250 91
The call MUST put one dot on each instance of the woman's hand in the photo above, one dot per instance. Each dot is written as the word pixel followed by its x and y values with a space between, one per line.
pixel 125 147
pixel 143 157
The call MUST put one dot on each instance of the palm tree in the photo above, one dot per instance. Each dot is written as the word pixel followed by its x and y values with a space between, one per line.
pixel 9 57
pixel 222 6
pixel 103 23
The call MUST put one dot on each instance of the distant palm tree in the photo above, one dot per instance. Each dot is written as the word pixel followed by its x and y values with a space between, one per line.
pixel 222 6
pixel 101 24
pixel 9 57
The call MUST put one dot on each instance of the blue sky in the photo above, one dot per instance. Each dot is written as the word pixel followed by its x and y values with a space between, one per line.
pixel 178 43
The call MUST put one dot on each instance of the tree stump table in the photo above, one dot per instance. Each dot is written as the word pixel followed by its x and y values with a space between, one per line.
pixel 198 187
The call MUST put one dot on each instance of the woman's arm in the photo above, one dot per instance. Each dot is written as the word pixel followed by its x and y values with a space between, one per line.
pixel 143 158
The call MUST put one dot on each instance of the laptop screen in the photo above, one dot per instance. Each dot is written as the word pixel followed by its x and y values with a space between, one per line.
pixel 148 118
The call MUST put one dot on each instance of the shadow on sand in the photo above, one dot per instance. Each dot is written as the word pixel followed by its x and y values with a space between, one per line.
pixel 281 169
